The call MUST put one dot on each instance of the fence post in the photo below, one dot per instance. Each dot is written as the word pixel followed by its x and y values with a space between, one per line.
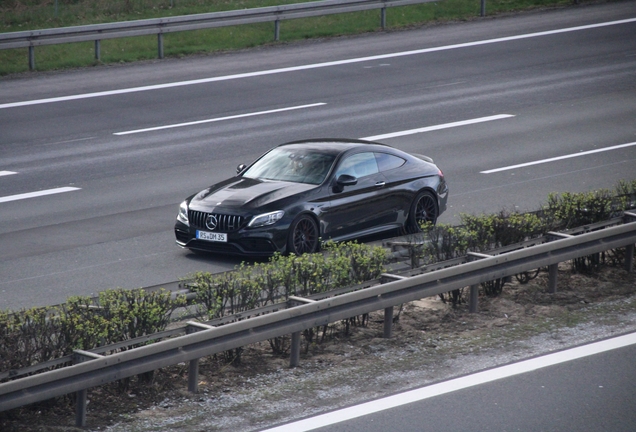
pixel 80 356
pixel 80 408
pixel 98 50
pixel 629 258
pixel 193 365
pixel 294 357
pixel 193 376
pixel 383 18
pixel 483 8
pixel 388 312
pixel 160 45
pixel 277 30
pixel 553 271
pixel 388 322
pixel 473 303
pixel 31 58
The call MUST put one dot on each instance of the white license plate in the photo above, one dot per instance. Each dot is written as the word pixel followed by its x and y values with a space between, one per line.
pixel 210 236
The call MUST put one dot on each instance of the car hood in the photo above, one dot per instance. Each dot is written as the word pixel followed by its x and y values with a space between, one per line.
pixel 244 194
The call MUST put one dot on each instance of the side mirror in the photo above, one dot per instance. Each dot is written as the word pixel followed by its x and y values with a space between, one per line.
pixel 344 180
pixel 347 180
pixel 240 168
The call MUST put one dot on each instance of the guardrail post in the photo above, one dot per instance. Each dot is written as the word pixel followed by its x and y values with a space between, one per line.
pixel 553 271
pixel 193 376
pixel 388 312
pixel 193 365
pixel 294 357
pixel 98 50
pixel 31 57
pixel 80 356
pixel 629 258
pixel 277 30
pixel 160 45
pixel 383 18
pixel 80 408
pixel 388 322
pixel 483 8
pixel 473 302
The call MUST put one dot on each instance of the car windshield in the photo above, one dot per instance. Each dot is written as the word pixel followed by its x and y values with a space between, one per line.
pixel 292 164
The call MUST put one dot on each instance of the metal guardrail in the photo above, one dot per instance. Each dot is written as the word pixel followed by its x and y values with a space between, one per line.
pixel 97 369
pixel 161 26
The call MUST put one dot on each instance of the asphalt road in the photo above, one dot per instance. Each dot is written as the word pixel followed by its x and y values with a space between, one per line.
pixel 547 99
pixel 581 389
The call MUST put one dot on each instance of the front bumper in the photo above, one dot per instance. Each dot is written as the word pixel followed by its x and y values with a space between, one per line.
pixel 245 242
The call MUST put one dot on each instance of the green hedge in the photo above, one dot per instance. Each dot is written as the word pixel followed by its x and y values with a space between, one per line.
pixel 38 335
pixel 260 284
pixel 484 232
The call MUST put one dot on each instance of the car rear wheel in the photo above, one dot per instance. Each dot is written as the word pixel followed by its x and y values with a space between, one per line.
pixel 303 236
pixel 423 210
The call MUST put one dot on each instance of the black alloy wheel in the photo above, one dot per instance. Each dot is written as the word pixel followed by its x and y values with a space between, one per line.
pixel 303 236
pixel 423 210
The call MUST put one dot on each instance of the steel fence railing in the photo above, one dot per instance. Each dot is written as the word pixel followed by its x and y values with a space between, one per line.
pixel 161 26
pixel 202 339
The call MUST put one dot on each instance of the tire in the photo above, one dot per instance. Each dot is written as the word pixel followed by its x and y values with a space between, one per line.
pixel 303 236
pixel 423 209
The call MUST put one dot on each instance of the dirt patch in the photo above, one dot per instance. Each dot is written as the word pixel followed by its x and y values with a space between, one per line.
pixel 431 341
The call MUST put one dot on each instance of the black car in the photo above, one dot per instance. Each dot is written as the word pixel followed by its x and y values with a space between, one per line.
pixel 301 192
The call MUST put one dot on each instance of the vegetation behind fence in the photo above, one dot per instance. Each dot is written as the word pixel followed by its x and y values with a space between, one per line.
pixel 19 15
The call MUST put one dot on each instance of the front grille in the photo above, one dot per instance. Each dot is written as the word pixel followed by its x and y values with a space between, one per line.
pixel 224 223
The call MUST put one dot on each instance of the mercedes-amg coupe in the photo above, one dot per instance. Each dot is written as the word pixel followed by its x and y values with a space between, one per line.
pixel 302 192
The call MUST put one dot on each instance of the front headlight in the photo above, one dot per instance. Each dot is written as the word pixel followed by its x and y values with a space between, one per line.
pixel 266 219
pixel 183 213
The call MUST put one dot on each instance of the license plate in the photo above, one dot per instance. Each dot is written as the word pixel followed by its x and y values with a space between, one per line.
pixel 210 236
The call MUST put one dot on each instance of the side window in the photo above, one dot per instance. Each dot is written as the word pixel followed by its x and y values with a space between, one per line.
pixel 358 165
pixel 388 162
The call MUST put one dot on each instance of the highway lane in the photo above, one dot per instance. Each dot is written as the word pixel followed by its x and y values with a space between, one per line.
pixel 588 388
pixel 564 93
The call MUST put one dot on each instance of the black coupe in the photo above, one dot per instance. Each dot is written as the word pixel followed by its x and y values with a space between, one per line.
pixel 301 192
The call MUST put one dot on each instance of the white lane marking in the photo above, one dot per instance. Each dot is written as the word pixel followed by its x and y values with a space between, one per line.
pixel 315 65
pixel 438 127
pixel 37 194
pixel 220 119
pixel 456 384
pixel 584 153
pixel 6 173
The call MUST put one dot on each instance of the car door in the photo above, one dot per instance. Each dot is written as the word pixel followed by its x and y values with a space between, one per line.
pixel 359 207
pixel 392 167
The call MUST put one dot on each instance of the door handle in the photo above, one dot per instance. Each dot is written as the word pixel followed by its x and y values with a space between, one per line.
pixel 380 184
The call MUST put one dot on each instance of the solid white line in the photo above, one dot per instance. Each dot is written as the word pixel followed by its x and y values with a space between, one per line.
pixel 220 119
pixel 511 167
pixel 6 173
pixel 314 66
pixel 456 384
pixel 438 127
pixel 37 194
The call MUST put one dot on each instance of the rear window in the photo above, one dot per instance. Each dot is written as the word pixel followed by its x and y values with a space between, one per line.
pixel 388 162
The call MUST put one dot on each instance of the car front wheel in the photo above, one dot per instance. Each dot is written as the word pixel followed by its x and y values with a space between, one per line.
pixel 303 236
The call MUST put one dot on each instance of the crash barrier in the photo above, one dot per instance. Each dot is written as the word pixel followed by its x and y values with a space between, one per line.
pixel 196 340
pixel 161 26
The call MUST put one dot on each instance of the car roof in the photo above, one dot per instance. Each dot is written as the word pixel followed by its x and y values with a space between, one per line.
pixel 335 145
